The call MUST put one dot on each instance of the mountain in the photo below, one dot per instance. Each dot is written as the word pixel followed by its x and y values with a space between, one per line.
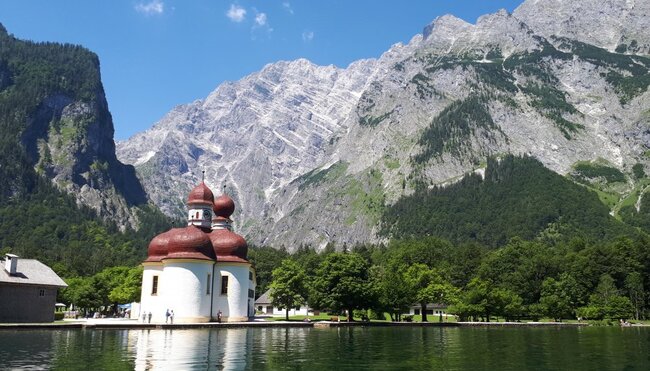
pixel 318 154
pixel 55 123
pixel 65 198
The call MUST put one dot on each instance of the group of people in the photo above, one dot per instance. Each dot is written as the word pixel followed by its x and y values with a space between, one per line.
pixel 169 316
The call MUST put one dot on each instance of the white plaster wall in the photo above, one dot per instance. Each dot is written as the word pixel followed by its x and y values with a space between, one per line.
pixel 185 290
pixel 235 305
pixel 148 302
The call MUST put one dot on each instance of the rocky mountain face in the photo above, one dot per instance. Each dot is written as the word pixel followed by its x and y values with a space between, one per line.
pixel 315 154
pixel 55 122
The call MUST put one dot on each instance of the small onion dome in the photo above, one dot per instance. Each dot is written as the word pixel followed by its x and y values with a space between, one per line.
pixel 189 243
pixel 229 246
pixel 223 206
pixel 158 248
pixel 201 194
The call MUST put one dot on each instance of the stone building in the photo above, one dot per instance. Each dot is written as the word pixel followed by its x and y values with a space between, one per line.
pixel 27 290
pixel 201 271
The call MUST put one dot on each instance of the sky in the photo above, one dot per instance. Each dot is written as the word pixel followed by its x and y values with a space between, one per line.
pixel 156 54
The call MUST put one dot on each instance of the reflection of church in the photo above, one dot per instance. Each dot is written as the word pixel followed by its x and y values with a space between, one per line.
pixel 200 271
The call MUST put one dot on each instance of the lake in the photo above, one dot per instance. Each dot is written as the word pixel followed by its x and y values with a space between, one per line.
pixel 345 348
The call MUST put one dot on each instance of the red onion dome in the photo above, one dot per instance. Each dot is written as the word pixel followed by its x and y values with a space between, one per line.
pixel 158 247
pixel 201 194
pixel 229 246
pixel 223 206
pixel 189 243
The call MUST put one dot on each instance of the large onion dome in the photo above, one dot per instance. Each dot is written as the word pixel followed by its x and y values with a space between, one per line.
pixel 189 243
pixel 201 194
pixel 224 206
pixel 158 248
pixel 229 246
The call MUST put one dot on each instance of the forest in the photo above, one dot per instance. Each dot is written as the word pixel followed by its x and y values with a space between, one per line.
pixel 521 280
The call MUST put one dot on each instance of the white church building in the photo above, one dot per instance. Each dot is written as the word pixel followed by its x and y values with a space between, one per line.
pixel 200 272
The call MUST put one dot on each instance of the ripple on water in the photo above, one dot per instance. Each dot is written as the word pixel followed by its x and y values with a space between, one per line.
pixel 377 348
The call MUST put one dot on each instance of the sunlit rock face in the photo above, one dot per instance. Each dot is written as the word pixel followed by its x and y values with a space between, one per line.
pixel 314 153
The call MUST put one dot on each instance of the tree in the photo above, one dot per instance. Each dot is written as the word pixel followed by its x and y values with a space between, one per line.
pixel 129 290
pixel 342 283
pixel 288 286
pixel 427 286
pixel 505 303
pixel 606 302
pixel 419 278
pixel 393 296
pixel 635 291
pixel 560 298
pixel 82 293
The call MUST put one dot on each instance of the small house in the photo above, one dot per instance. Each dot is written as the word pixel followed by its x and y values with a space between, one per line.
pixel 28 290
pixel 263 305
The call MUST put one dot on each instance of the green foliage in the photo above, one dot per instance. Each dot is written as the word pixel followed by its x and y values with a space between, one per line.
pixel 423 87
pixel 318 176
pixel 606 302
pixel 342 282
pixel 518 197
pixel 48 225
pixel 628 74
pixel 551 102
pixel 265 259
pixel 372 120
pixel 638 171
pixel 451 129
pixel 584 172
pixel 640 218
pixel 288 289
pixel 111 286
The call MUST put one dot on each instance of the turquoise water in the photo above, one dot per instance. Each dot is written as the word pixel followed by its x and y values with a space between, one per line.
pixel 375 348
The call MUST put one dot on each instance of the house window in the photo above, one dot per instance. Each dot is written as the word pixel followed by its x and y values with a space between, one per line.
pixel 207 291
pixel 417 312
pixel 251 293
pixel 154 286
pixel 224 285
pixel 250 276
pixel 41 292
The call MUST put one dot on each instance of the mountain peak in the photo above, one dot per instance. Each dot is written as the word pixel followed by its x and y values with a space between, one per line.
pixel 445 24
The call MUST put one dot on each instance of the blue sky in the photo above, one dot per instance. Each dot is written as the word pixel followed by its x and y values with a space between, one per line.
pixel 156 54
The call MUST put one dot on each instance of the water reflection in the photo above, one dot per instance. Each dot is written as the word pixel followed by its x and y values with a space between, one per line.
pixel 325 349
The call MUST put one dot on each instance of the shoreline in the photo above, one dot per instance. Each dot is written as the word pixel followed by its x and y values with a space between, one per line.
pixel 134 325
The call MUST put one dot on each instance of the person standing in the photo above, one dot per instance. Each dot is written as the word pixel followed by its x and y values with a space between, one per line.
pixel 219 316
pixel 166 315
pixel 149 317
pixel 171 317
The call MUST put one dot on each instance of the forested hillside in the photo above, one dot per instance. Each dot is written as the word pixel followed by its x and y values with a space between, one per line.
pixel 58 168
pixel 518 197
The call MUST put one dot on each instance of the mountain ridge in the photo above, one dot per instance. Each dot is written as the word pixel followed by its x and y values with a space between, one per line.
pixel 423 113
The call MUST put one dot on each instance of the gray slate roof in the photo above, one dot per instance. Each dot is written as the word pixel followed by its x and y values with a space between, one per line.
pixel 264 299
pixel 31 272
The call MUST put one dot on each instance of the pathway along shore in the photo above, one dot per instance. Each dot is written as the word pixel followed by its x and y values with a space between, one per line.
pixel 132 324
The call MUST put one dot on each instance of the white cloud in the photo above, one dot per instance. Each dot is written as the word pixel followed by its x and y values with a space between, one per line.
pixel 260 19
pixel 307 36
pixel 151 8
pixel 287 6
pixel 236 13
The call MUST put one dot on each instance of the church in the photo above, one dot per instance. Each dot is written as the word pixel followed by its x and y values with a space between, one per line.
pixel 200 272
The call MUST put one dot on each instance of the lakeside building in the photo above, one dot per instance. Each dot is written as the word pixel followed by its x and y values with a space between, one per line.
pixel 433 309
pixel 201 271
pixel 264 305
pixel 28 290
